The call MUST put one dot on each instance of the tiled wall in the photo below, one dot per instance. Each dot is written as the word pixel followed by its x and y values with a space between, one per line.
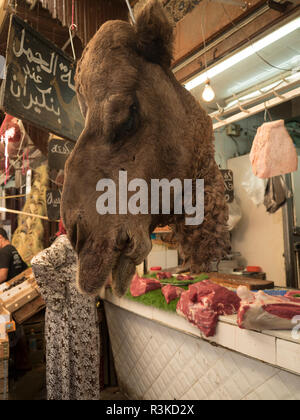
pixel 156 362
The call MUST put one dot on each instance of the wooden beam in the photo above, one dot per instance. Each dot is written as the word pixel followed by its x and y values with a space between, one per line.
pixel 236 40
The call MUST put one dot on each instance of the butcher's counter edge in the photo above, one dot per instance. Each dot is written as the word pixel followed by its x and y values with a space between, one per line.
pixel 277 348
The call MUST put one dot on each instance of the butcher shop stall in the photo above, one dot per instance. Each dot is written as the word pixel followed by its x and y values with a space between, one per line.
pixel 213 315
pixel 231 333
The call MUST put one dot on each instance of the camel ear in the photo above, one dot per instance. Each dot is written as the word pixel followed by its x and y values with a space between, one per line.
pixel 154 33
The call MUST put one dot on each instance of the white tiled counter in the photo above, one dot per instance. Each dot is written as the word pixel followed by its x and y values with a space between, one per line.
pixel 160 355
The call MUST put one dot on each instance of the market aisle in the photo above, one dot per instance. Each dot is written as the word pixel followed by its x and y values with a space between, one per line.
pixel 32 387
pixel 112 394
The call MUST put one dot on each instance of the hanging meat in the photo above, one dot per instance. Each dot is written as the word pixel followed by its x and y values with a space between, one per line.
pixel 273 152
pixel 13 137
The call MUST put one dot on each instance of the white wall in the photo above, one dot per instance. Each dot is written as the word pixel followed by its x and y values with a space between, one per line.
pixel 296 184
pixel 259 235
pixel 227 147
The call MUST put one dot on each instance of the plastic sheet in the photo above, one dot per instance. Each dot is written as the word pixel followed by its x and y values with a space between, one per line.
pixel 255 187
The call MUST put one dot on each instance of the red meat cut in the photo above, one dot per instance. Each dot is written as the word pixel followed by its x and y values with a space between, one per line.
pixel 203 302
pixel 259 311
pixel 163 275
pixel 139 285
pixel 171 292
pixel 293 295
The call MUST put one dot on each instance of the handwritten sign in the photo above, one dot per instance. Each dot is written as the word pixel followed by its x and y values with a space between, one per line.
pixel 39 85
pixel 229 187
pixel 58 153
pixel 53 198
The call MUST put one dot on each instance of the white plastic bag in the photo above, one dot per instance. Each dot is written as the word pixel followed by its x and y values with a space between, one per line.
pixel 235 215
pixel 255 187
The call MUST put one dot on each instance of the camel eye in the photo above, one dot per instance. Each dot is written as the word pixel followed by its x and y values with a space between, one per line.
pixel 128 127
pixel 130 123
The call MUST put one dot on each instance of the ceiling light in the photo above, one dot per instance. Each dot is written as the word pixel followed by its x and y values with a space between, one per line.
pixel 245 53
pixel 208 94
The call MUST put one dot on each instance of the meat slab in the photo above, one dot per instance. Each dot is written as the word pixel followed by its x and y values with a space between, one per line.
pixel 171 292
pixel 273 152
pixel 259 311
pixel 139 285
pixel 203 302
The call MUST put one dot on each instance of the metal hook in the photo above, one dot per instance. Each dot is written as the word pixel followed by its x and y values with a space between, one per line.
pixel 267 112
pixel 131 12
pixel 242 109
pixel 72 28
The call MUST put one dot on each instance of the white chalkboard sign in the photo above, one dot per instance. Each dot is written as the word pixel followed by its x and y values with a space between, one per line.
pixel 39 85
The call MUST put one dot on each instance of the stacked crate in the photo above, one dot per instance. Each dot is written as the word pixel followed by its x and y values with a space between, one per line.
pixel 34 329
pixel 4 360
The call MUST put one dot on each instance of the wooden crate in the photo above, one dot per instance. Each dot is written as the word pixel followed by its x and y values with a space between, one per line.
pixel 4 369
pixel 28 310
pixel 4 349
pixel 3 389
pixel 20 295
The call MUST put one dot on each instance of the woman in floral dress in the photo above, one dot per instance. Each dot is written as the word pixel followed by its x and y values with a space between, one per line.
pixel 71 327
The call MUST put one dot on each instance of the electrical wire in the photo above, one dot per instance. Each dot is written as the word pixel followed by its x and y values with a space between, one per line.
pixel 203 36
pixel 251 43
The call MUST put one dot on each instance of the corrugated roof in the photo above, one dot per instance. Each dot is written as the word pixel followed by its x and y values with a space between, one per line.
pixel 89 14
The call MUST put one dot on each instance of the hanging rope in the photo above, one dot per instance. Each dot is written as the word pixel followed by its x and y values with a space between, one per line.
pixel 73 26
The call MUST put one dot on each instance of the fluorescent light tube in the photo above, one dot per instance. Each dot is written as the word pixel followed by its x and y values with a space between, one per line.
pixel 245 53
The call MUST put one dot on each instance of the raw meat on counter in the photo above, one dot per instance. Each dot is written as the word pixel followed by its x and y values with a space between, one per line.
pixel 171 292
pixel 203 302
pixel 259 311
pixel 139 285
pixel 184 277
pixel 293 295
pixel 163 275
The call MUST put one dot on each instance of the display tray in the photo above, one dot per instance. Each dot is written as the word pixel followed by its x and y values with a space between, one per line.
pixel 156 299
pixel 176 281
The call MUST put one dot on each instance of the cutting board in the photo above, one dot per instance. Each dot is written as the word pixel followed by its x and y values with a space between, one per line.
pixel 234 281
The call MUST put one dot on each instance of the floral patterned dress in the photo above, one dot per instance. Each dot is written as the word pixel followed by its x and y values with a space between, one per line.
pixel 71 327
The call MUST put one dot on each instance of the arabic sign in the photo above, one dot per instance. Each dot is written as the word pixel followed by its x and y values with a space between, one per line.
pixel 228 181
pixel 58 153
pixel 39 83
pixel 53 199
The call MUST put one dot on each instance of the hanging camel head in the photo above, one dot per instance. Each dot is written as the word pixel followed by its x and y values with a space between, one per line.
pixel 140 123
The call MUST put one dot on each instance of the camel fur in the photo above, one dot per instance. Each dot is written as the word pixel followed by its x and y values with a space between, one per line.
pixel 139 119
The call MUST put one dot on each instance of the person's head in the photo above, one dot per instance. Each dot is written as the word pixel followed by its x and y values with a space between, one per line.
pixel 3 238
